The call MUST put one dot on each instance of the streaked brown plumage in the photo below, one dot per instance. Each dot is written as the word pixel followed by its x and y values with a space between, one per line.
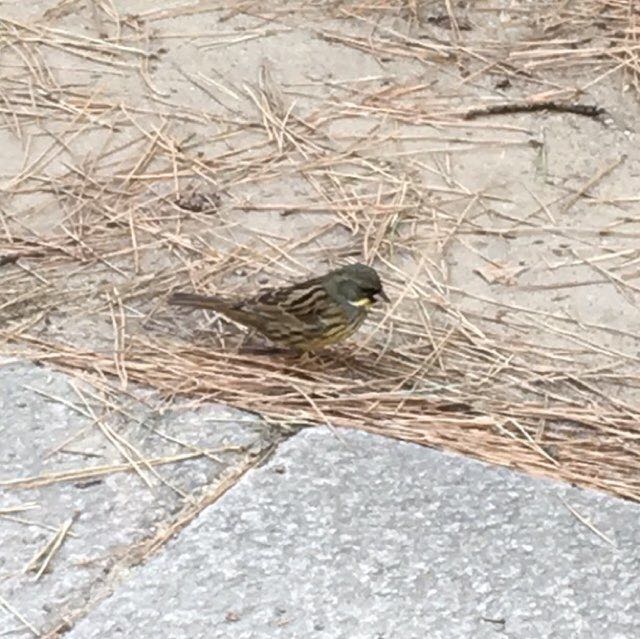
pixel 305 316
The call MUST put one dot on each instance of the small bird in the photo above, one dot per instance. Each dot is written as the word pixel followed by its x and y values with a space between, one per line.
pixel 305 316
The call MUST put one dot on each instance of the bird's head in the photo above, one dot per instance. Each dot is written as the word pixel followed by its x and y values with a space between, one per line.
pixel 356 285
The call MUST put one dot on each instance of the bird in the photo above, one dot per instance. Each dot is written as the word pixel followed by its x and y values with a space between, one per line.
pixel 306 316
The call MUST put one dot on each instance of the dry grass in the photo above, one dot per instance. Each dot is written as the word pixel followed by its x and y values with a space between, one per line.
pixel 91 242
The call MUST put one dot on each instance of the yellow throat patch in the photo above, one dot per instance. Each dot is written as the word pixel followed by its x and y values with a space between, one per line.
pixel 364 301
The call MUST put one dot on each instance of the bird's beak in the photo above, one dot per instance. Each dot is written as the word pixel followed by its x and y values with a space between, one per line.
pixel 383 295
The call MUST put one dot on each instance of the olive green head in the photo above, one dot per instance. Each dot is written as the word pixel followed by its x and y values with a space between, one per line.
pixel 355 285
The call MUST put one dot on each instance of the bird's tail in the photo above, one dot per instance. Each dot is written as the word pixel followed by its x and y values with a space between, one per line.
pixel 198 301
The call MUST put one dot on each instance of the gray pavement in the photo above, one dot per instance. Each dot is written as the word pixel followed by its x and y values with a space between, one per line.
pixel 46 429
pixel 377 539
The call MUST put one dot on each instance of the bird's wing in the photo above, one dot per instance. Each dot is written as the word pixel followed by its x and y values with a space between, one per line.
pixel 259 314
pixel 304 301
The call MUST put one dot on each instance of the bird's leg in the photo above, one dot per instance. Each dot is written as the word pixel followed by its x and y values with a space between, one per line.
pixel 302 358
pixel 292 354
pixel 262 350
pixel 245 338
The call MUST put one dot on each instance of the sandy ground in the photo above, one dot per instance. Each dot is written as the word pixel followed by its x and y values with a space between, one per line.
pixel 149 145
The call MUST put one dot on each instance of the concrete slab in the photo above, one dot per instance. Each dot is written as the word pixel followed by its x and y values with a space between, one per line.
pixel 109 512
pixel 373 538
